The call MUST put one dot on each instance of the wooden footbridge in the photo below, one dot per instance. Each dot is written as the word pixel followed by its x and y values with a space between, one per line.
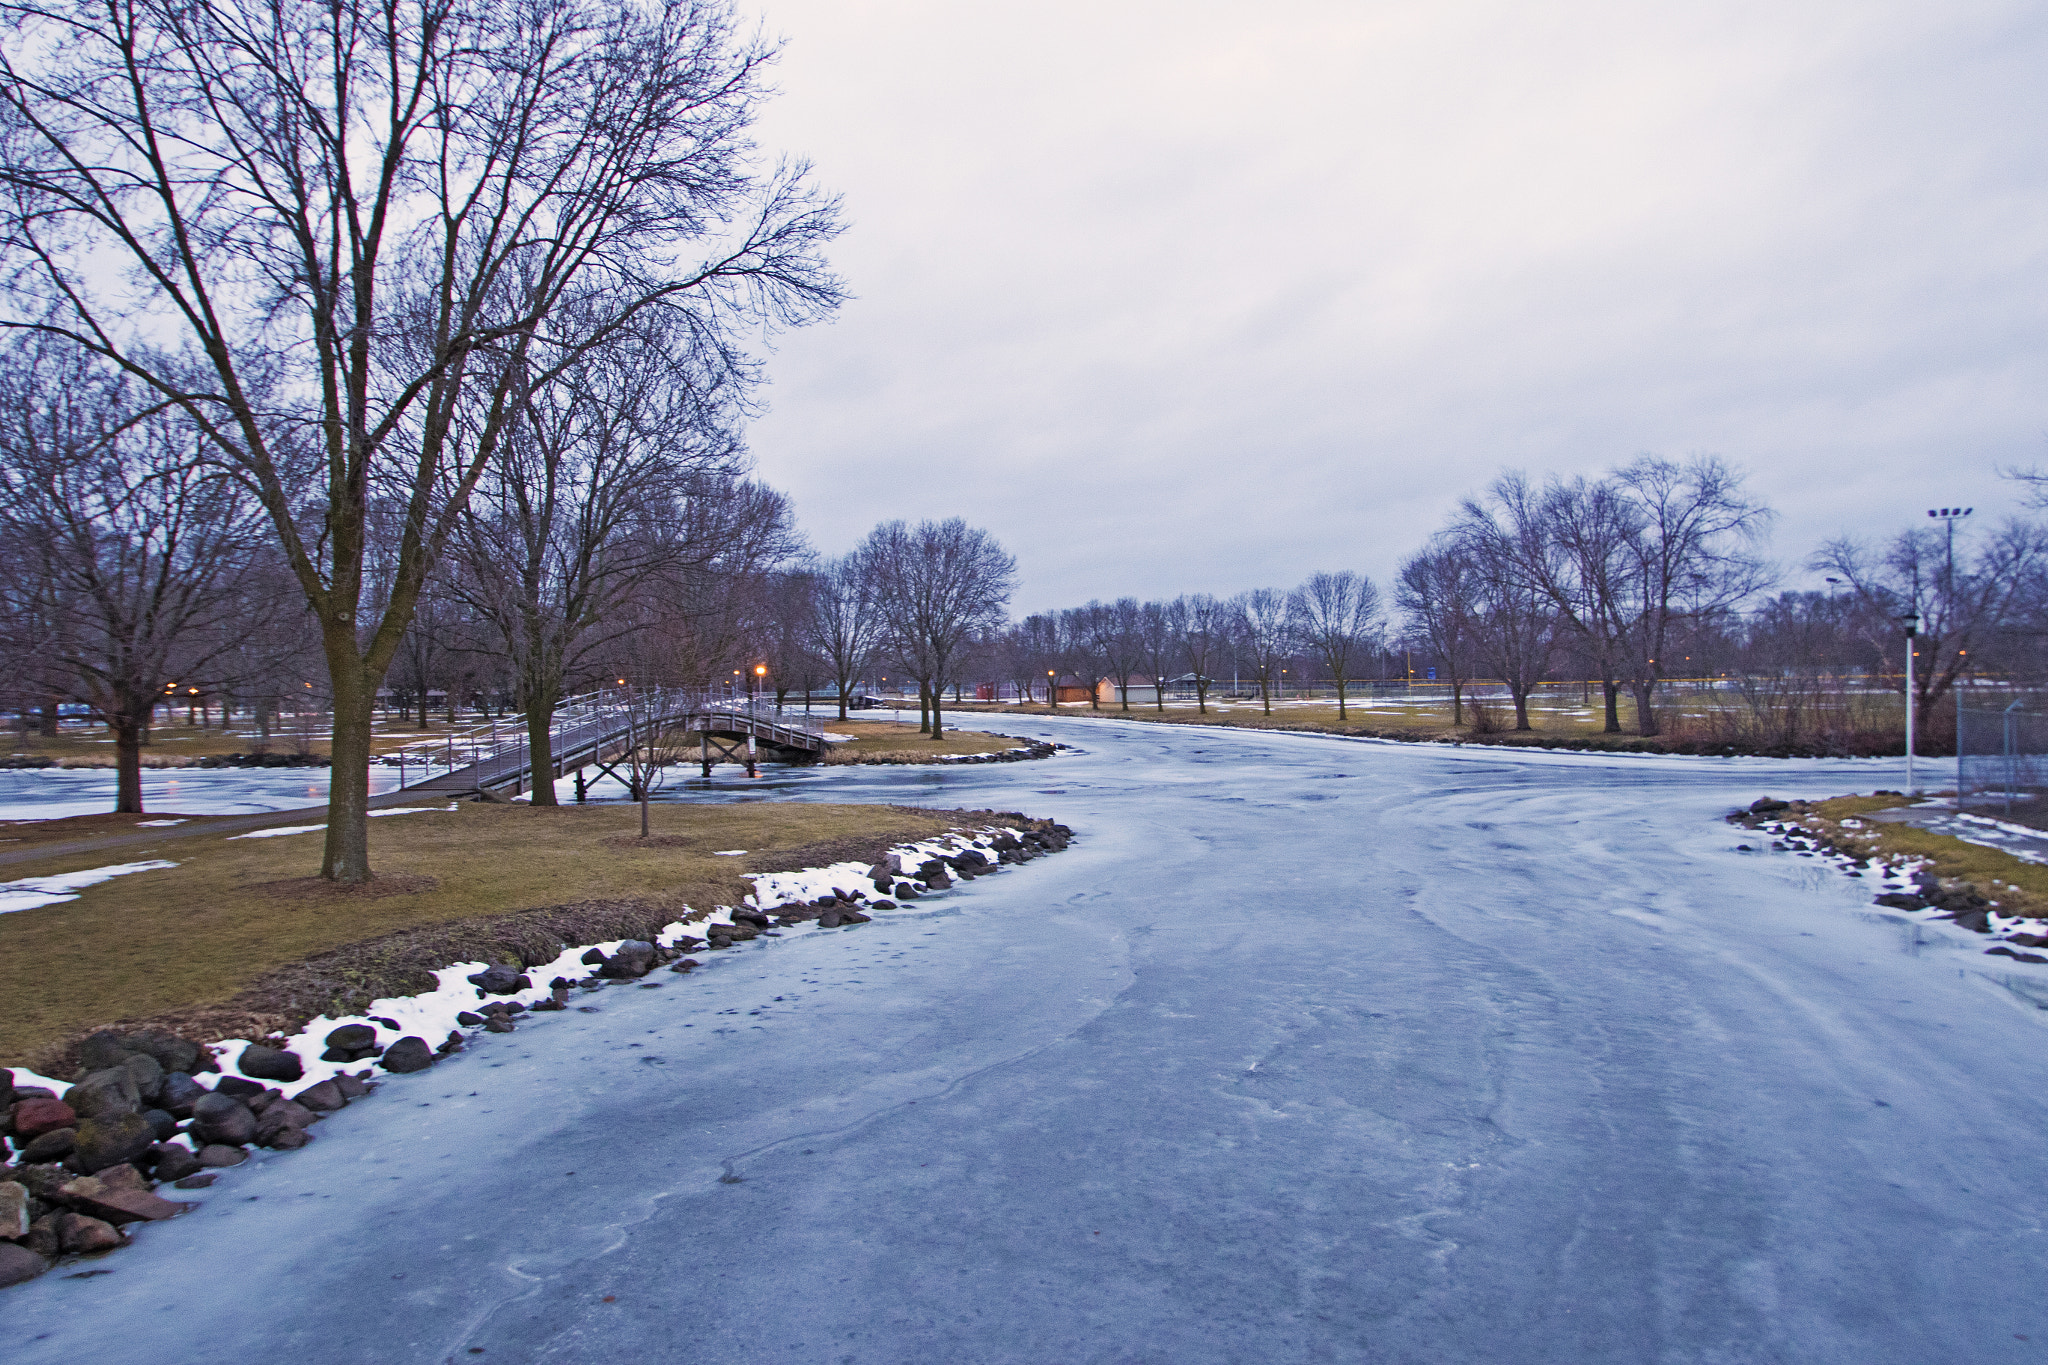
pixel 606 730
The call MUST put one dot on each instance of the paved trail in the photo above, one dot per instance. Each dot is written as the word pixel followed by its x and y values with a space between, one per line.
pixel 1307 1051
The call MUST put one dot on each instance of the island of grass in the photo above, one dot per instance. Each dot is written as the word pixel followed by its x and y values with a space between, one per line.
pixel 868 740
pixel 238 941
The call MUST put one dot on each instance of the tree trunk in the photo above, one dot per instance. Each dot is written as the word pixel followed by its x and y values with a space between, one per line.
pixel 924 708
pixel 540 750
pixel 1611 692
pixel 1340 700
pixel 46 720
pixel 1266 696
pixel 1646 716
pixel 347 856
pixel 938 728
pixel 127 761
pixel 1201 697
pixel 842 699
pixel 1521 696
pixel 1457 702
pixel 643 808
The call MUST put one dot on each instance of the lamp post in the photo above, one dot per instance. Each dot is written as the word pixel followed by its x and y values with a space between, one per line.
pixel 760 685
pixel 1052 691
pixel 1911 621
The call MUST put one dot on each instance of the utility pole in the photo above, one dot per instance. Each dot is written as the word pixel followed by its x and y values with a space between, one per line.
pixel 1911 621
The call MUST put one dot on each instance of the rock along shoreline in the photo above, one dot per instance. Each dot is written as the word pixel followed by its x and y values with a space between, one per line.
pixel 150 1113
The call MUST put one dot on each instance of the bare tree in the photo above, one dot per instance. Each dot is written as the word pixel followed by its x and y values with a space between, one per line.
pixel 1264 632
pixel 344 224
pixel 1200 626
pixel 1118 639
pixel 1690 558
pixel 1962 608
pixel 1158 646
pixel 580 511
pixel 940 584
pixel 132 556
pixel 1438 591
pixel 1514 622
pixel 846 625
pixel 1336 618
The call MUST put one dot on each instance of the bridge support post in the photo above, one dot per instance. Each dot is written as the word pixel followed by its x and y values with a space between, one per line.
pixel 752 769
pixel 579 784
pixel 706 737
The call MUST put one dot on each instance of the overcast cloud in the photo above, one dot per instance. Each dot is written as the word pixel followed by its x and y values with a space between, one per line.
pixel 1200 297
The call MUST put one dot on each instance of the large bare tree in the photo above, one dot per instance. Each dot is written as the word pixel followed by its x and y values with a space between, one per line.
pixel 846 623
pixel 580 511
pixel 326 229
pixel 940 584
pixel 1437 589
pixel 1336 618
pixel 1264 630
pixel 138 560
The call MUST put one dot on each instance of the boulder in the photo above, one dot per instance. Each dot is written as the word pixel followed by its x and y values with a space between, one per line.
pixel 906 891
pixel 6 1087
pixel 324 1097
pixel 688 964
pixel 13 1210
pixel 110 1091
pixel 2030 940
pixel 149 1077
pixel 175 1162
pixel 270 1063
pixel 351 1037
pixel 283 1114
pixel 34 1117
pixel 409 1053
pixel 592 957
pixel 1900 900
pixel 829 919
pixel 42 1237
pixel 223 1119
pixel 240 1088
pixel 124 1177
pixel 498 1023
pixel 171 1052
pixel 469 1019
pixel 288 1139
pixel 180 1092
pixel 160 1122
pixel 54 1145
pixel 104 1049
pixel 109 1140
pixel 882 905
pixel 97 1198
pixel 1976 921
pixel 351 1088
pixel 218 1154
pixel 196 1182
pixel 79 1234
pixel 501 980
pixel 18 1263
pixel 258 1103
pixel 632 959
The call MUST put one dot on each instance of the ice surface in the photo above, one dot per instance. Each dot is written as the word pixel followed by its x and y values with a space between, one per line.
pixel 31 892
pixel 53 793
pixel 1307 1051
pixel 311 829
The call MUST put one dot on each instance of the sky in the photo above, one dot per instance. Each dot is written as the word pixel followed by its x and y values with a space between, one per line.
pixel 1195 297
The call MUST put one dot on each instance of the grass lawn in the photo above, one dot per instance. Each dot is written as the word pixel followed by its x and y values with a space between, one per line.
pixel 185 941
pixel 899 742
pixel 2020 887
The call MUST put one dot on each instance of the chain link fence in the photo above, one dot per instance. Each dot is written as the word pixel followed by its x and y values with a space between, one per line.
pixel 2002 753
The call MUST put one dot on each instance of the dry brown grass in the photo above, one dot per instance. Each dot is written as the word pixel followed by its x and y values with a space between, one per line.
pixel 891 741
pixel 235 913
pixel 2019 887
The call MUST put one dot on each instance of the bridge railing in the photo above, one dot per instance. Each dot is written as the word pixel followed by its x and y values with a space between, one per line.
pixel 498 750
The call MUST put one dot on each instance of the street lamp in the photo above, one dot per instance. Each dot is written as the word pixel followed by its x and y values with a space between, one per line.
pixel 760 672
pixel 1052 692
pixel 1911 622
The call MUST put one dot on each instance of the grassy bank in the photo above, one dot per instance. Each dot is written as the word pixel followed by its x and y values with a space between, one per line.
pixel 238 940
pixel 1558 723
pixel 892 741
pixel 2018 887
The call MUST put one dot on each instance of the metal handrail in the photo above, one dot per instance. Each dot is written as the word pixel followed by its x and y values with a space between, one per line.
pixel 499 750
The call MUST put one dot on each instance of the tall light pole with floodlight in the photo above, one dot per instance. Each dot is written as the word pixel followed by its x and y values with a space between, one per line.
pixel 1911 621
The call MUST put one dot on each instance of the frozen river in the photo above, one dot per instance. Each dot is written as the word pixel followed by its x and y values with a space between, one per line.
pixel 53 793
pixel 1306 1051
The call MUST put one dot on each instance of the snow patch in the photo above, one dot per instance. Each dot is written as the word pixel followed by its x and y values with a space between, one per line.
pixel 31 892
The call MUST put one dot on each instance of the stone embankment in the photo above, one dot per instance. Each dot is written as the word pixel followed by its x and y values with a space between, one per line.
pixel 85 1166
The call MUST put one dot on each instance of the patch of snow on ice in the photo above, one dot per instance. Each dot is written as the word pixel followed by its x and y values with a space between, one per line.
pixel 276 833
